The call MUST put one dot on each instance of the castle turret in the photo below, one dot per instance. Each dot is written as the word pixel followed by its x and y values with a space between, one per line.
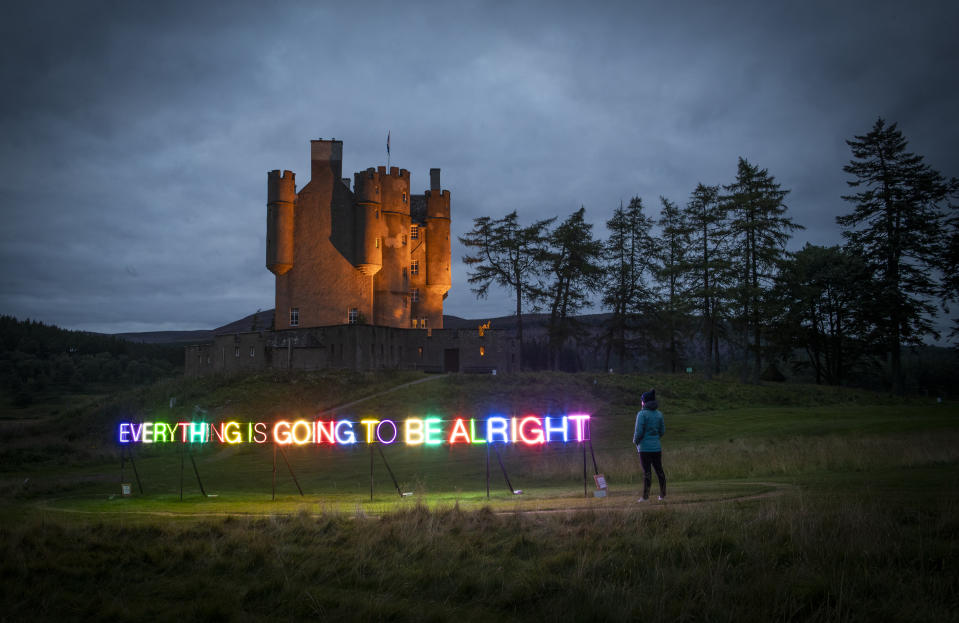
pixel 280 200
pixel 438 228
pixel 367 193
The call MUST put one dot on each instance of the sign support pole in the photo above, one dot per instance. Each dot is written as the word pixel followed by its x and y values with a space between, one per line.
pixel 197 472
pixel 593 454
pixel 274 471
pixel 487 470
pixel 585 494
pixel 135 472
pixel 181 473
pixel 385 462
pixel 371 472
pixel 505 475
pixel 290 467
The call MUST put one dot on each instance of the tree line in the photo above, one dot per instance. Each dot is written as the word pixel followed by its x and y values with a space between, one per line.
pixel 39 360
pixel 715 283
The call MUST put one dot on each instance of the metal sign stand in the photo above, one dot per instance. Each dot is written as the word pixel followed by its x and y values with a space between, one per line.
pixel 506 476
pixel 395 483
pixel 181 472
pixel 487 470
pixel 585 479
pixel 195 471
pixel 127 453
pixel 288 466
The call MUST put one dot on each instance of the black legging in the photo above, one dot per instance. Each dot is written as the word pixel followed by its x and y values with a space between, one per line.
pixel 654 459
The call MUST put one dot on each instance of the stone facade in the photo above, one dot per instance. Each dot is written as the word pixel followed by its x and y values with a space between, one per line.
pixel 371 254
pixel 358 347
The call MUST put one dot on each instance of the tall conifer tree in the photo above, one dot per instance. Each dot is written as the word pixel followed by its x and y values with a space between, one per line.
pixel 760 230
pixel 574 274
pixel 671 271
pixel 708 264
pixel 896 226
pixel 509 255
pixel 626 264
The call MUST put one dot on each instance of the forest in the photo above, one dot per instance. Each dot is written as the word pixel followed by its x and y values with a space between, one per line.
pixel 711 285
pixel 38 361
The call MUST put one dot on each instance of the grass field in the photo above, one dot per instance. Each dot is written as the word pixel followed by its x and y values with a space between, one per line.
pixel 786 503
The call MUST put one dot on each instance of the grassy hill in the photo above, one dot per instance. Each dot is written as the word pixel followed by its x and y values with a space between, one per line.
pixel 787 502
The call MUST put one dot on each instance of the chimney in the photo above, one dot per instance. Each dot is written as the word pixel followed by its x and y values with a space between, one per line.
pixel 328 154
pixel 434 179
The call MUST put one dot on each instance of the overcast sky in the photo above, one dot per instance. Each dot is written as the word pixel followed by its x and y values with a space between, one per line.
pixel 136 137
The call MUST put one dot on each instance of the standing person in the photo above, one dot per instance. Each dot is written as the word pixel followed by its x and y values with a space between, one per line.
pixel 649 428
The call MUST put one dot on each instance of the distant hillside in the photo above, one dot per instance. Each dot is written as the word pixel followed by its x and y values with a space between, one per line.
pixel 533 323
pixel 167 337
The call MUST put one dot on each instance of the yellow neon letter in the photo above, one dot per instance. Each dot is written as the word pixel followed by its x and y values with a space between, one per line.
pixel 369 429
pixel 281 432
pixel 414 431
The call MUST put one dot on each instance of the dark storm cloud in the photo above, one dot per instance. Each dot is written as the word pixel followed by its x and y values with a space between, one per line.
pixel 137 137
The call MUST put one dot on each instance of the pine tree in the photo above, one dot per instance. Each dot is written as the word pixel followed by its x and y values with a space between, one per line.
pixel 896 225
pixel 760 230
pixel 671 270
pixel 508 255
pixel 821 296
pixel 708 264
pixel 627 261
pixel 574 273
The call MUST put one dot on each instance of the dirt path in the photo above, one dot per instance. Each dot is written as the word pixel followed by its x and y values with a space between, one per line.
pixel 378 394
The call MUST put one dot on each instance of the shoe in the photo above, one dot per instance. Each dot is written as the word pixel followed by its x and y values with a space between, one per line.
pixel 642 500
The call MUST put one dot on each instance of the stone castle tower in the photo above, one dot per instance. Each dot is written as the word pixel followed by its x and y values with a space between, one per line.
pixel 374 254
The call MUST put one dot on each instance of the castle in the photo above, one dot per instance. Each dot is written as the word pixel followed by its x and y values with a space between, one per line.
pixel 361 276
pixel 374 254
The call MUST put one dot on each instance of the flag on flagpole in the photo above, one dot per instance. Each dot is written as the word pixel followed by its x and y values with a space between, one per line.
pixel 388 142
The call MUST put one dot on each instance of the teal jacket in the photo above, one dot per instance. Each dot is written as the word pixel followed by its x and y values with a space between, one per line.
pixel 649 428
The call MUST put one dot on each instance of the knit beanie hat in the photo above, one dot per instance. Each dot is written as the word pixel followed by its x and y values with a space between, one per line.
pixel 649 399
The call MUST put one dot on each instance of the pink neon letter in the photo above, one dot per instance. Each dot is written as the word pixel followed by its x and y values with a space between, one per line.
pixel 580 419
pixel 537 430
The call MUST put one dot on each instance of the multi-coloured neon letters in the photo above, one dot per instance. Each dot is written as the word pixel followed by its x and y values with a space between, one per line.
pixel 530 430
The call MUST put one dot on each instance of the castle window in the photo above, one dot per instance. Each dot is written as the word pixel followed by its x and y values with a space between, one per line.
pixel 414 232
pixel 419 351
pixel 414 267
pixel 415 294
pixel 423 323
pixel 353 315
pixel 294 316
pixel 236 351
pixel 482 351
pixel 415 322
pixel 404 197
pixel 404 239
pixel 377 213
pixel 376 242
pixel 252 352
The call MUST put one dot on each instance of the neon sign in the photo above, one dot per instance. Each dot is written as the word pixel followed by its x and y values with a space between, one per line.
pixel 530 430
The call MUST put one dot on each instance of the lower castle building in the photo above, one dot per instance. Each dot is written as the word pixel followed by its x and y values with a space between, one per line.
pixel 361 273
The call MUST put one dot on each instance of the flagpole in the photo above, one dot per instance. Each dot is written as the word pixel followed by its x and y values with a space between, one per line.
pixel 388 152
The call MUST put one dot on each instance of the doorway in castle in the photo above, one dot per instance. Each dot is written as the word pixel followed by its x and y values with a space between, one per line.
pixel 451 360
